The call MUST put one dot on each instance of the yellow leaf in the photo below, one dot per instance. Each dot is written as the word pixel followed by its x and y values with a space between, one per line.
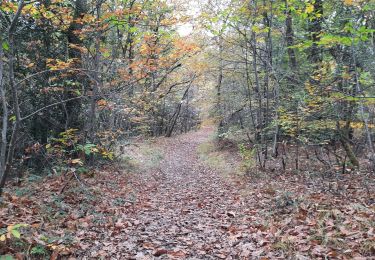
pixel 309 8
pixel 77 161
pixel 53 247
pixel 348 2
pixel 3 238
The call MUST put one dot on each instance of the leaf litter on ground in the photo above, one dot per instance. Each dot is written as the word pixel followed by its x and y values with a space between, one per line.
pixel 179 208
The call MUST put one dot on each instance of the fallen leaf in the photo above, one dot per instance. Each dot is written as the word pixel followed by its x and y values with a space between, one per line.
pixel 160 252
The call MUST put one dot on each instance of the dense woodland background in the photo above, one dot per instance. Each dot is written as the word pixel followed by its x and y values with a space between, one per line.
pixel 76 76
pixel 295 80
pixel 288 83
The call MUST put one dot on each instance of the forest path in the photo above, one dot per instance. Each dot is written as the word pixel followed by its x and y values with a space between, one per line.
pixel 189 211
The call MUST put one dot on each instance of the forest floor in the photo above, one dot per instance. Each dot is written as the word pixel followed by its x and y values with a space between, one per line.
pixel 173 199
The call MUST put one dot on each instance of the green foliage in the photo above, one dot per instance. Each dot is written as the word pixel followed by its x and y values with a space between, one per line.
pixel 88 149
pixel 39 251
pixel 5 46
pixel 296 72
pixel 248 157
pixel 66 102
pixel 68 150
pixel 11 231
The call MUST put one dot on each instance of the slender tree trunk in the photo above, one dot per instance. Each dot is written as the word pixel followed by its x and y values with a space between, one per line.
pixel 130 43
pixel 297 136
pixel 315 30
pixel 177 113
pixel 3 145
pixel 259 119
pixel 80 9
pixel 14 88
pixel 267 18
pixel 74 107
pixel 97 68
pixel 275 151
pixel 220 82
pixel 348 149
pixel 362 110
pixel 289 35
pixel 372 26
pixel 186 121
pixel 257 87
pixel 248 85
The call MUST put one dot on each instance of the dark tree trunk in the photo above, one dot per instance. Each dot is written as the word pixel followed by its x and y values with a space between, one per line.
pixel 289 35
pixel 73 107
pixel 315 30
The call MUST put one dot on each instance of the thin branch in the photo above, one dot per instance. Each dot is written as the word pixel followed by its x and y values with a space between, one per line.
pixel 51 105
pixel 16 16
pixel 58 70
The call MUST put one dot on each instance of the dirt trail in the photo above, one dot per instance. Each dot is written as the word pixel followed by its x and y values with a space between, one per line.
pixel 190 211
pixel 170 205
pixel 182 209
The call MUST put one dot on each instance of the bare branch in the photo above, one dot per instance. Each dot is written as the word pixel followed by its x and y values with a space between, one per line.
pixel 51 105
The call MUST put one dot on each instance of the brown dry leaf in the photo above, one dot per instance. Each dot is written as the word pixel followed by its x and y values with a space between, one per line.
pixel 344 231
pixel 20 256
pixel 189 207
pixel 318 250
pixel 178 253
pixel 55 255
pixel 332 253
pixel 160 252
pixel 304 248
pixel 221 256
pixel 148 245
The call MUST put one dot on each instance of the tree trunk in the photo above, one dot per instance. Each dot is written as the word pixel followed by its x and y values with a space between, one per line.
pixel 80 9
pixel 3 145
pixel 315 30
pixel 315 54
pixel 97 68
pixel 362 110
pixel 14 88
pixel 176 114
pixel 289 35
pixel 220 79
pixel 349 151
pixel 74 107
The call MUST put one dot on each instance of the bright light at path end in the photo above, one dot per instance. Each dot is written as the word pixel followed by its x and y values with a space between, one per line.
pixel 185 29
